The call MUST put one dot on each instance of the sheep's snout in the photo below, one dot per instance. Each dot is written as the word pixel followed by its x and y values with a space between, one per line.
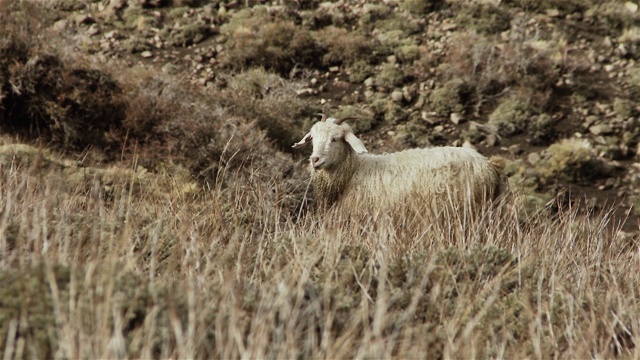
pixel 315 162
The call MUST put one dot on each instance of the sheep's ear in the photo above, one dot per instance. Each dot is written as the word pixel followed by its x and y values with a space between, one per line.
pixel 304 140
pixel 355 143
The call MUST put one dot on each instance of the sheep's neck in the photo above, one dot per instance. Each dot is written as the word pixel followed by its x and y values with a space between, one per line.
pixel 330 184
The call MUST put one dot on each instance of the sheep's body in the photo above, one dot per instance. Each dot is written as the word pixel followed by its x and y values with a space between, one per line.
pixel 432 180
pixel 437 176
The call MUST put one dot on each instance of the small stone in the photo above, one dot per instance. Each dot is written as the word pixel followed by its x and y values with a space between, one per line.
pixel 438 129
pixel 169 68
pixel 456 118
pixel 304 92
pixel 592 119
pixel 146 54
pixel 533 158
pixel 334 69
pixel 449 26
pixel 428 117
pixel 631 7
pixel 60 25
pixel 600 129
pixel 491 140
pixel 113 34
pixel 407 94
pixel 515 149
pixel 397 96
pixel 468 145
pixel 93 30
pixel 553 13
pixel 600 140
pixel 369 82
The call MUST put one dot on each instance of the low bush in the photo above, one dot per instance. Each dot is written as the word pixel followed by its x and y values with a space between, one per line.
pixel 257 40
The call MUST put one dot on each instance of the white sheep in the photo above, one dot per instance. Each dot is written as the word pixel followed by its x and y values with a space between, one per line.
pixel 432 179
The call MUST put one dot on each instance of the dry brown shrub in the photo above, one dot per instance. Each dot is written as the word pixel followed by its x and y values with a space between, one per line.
pixel 255 39
pixel 490 69
pixel 344 47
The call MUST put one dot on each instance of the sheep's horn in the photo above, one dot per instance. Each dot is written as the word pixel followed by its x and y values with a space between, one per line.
pixel 323 116
pixel 341 120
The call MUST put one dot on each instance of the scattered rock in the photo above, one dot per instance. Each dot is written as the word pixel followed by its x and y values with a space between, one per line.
pixel 169 68
pixel 369 82
pixel 554 13
pixel 456 118
pixel 93 30
pixel 468 145
pixel 305 92
pixel 407 93
pixel 631 7
pixel 397 96
pixel 600 129
pixel 146 54
pixel 60 25
pixel 533 158
pixel 83 19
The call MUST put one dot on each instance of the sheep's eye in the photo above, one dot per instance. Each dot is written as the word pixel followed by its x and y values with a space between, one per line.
pixel 335 139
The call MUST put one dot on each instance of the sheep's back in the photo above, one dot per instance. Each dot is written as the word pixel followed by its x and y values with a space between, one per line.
pixel 427 178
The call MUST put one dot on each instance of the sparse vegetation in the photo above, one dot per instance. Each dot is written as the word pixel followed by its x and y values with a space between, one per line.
pixel 421 6
pixel 448 98
pixel 511 116
pixel 150 206
pixel 257 40
pixel 344 47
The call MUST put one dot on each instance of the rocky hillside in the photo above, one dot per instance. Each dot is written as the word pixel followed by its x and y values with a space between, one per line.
pixel 551 85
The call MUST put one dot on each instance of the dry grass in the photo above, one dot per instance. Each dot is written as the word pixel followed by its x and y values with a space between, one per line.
pixel 193 242
pixel 151 271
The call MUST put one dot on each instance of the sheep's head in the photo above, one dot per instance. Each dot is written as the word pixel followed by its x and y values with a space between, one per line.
pixel 332 141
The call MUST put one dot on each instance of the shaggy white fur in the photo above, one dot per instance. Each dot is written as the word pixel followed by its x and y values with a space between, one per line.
pixel 345 176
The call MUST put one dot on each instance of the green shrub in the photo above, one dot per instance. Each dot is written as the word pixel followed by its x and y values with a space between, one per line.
pixel 390 111
pixel 408 53
pixel 255 40
pixel 572 160
pixel 484 18
pixel 624 108
pixel 360 71
pixel 564 6
pixel 511 116
pixel 421 7
pixel 363 121
pixel 448 98
pixel 389 76
pixel 266 97
pixel 344 47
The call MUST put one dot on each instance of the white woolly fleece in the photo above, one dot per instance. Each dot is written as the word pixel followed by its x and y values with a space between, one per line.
pixel 433 177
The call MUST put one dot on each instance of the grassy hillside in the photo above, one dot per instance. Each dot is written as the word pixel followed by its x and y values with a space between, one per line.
pixel 151 205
